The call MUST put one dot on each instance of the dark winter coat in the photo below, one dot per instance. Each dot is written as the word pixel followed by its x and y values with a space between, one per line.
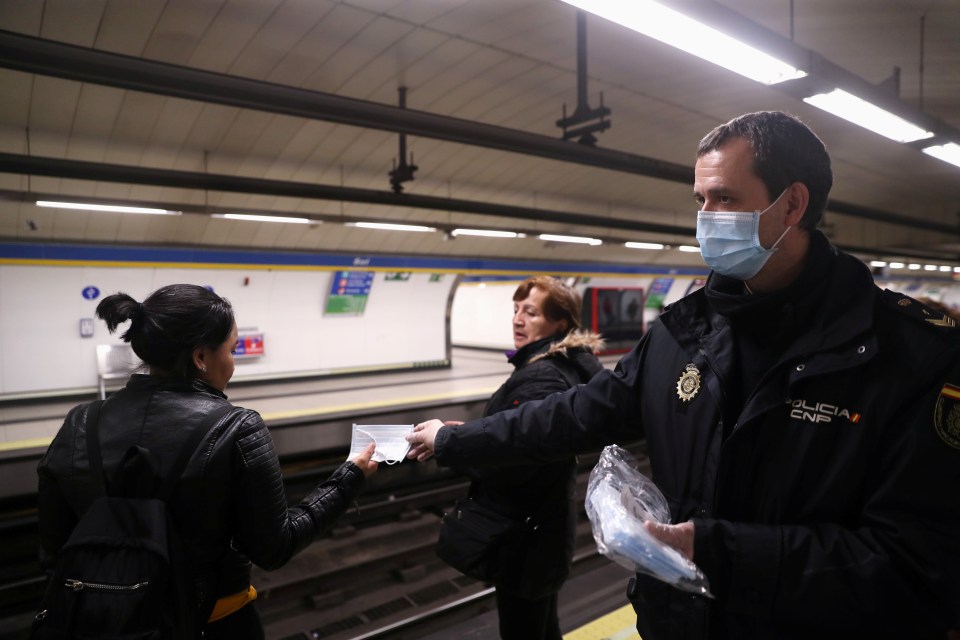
pixel 540 562
pixel 230 505
pixel 824 494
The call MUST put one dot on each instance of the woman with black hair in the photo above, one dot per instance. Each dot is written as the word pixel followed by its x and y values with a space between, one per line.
pixel 229 504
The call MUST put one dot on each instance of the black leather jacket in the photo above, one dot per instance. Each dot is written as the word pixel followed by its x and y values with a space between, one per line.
pixel 229 504
pixel 823 495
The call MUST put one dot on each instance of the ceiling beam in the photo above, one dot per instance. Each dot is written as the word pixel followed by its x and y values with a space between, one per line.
pixel 10 195
pixel 102 172
pixel 50 58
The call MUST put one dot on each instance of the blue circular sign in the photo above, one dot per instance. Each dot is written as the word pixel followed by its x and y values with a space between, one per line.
pixel 91 292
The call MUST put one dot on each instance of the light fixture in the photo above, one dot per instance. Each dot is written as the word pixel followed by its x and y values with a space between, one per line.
pixel 897 265
pixel 949 152
pixel 685 33
pixel 956 269
pixel 686 248
pixel 549 237
pixel 643 245
pixel 487 233
pixel 913 266
pixel 389 226
pixel 869 116
pixel 877 263
pixel 929 267
pixel 946 268
pixel 257 218
pixel 105 207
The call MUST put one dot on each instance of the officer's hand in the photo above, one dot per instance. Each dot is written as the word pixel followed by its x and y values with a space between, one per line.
pixel 421 439
pixel 678 536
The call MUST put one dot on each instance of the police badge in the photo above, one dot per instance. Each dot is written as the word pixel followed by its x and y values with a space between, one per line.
pixel 946 415
pixel 689 383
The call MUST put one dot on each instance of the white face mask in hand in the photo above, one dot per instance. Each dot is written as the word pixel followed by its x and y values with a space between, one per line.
pixel 391 445
pixel 730 241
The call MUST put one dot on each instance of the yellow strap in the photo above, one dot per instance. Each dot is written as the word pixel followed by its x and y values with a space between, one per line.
pixel 231 604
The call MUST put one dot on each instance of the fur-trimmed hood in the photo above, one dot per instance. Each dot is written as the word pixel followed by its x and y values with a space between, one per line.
pixel 576 340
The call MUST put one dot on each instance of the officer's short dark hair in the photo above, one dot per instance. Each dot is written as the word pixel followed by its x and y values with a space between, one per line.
pixel 785 151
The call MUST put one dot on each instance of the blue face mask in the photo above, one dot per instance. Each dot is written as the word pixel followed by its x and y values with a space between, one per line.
pixel 730 241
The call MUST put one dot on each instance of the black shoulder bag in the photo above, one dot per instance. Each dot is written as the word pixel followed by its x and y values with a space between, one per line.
pixel 474 539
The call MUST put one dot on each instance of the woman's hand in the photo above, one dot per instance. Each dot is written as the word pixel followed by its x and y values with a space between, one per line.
pixel 363 461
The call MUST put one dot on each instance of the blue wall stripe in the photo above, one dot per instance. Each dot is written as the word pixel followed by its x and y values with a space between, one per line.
pixel 172 256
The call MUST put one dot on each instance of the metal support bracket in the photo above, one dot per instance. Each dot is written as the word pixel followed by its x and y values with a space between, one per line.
pixel 402 172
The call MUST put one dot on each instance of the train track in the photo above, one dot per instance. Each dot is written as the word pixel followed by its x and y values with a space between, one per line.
pixel 374 576
pixel 383 579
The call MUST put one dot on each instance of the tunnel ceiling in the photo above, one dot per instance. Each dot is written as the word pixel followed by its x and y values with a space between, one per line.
pixel 506 65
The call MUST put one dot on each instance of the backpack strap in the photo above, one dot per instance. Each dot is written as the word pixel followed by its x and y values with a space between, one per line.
pixel 93 446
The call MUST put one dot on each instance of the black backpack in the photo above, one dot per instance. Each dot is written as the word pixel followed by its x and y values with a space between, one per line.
pixel 123 573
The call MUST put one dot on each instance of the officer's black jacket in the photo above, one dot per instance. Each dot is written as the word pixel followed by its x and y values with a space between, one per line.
pixel 825 504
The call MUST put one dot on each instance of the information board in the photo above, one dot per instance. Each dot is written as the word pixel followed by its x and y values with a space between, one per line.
pixel 658 291
pixel 348 294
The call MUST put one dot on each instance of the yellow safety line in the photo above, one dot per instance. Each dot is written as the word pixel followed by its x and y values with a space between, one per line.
pixel 616 625
pixel 25 444
pixel 319 411
pixel 316 411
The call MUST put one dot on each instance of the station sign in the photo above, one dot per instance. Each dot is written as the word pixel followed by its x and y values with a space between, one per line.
pixel 348 293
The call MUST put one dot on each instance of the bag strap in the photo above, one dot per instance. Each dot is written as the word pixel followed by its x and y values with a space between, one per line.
pixel 93 446
pixel 179 464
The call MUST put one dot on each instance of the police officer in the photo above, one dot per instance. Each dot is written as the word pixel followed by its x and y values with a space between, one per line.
pixel 803 424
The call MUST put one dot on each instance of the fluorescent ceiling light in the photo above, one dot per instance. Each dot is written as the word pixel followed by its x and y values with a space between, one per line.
pixel 686 248
pixel 575 239
pixel 487 233
pixel 389 226
pixel 956 269
pixel 944 267
pixel 643 245
pixel 929 267
pixel 686 34
pixel 105 207
pixel 949 152
pixel 897 265
pixel 869 116
pixel 256 218
pixel 877 263
pixel 913 266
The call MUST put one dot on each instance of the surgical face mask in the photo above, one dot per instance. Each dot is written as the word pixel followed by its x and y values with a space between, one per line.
pixel 391 445
pixel 730 241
